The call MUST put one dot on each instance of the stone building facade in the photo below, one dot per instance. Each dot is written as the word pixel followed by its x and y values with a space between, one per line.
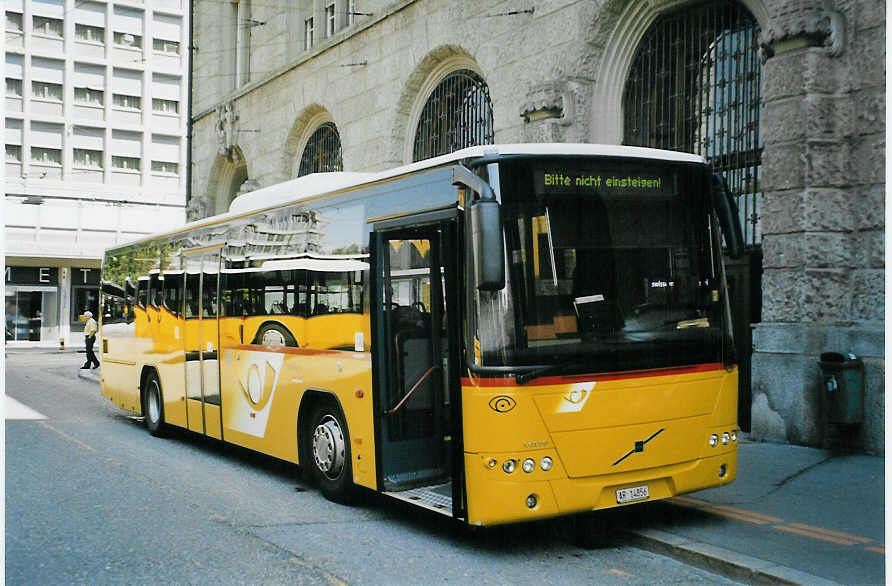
pixel 268 76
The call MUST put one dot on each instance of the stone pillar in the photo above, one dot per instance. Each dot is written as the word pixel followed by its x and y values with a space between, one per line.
pixel 822 220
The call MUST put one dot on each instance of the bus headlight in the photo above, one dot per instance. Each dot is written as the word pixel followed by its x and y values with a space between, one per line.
pixel 545 464
pixel 734 436
pixel 528 465
pixel 713 440
pixel 532 501
pixel 726 437
pixel 508 466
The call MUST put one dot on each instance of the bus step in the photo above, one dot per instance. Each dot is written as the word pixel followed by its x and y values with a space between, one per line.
pixel 434 498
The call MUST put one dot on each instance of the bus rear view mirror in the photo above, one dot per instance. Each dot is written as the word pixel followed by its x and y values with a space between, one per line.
pixel 486 235
pixel 726 209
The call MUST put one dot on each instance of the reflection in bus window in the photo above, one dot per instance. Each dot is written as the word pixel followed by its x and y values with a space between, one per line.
pixel 191 305
pixel 155 293
pixel 173 287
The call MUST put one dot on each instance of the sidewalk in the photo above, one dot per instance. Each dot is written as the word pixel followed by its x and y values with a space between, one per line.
pixel 795 515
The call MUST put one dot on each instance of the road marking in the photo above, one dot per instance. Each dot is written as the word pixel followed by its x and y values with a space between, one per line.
pixel 688 501
pixel 12 409
pixel 760 519
pixel 880 549
pixel 757 517
pixel 854 538
pixel 815 535
pixel 733 515
pixel 621 574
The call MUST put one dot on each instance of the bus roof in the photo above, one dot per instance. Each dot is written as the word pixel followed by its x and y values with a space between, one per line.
pixel 295 190
pixel 319 184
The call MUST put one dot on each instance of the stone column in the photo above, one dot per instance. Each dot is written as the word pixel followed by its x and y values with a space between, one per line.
pixel 823 219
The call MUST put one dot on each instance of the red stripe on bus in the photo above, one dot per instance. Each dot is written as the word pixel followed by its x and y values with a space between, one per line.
pixel 604 376
pixel 299 351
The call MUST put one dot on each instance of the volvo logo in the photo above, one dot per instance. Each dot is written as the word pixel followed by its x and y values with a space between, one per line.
pixel 502 403
pixel 639 446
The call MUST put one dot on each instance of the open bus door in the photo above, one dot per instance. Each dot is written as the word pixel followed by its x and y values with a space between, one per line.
pixel 417 348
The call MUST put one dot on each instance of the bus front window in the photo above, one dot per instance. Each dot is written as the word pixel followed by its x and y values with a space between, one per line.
pixel 610 267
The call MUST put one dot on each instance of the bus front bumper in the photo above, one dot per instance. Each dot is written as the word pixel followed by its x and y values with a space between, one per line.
pixel 496 497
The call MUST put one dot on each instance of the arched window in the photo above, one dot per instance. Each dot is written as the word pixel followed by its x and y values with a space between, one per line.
pixel 457 114
pixel 695 86
pixel 323 152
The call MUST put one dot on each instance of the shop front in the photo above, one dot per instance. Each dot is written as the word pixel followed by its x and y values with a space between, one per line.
pixel 32 304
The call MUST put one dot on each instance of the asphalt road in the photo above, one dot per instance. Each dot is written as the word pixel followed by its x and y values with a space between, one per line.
pixel 92 498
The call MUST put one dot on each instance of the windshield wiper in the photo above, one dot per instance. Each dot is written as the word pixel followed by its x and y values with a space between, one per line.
pixel 523 378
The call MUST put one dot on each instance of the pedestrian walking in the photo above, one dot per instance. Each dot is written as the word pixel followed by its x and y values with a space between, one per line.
pixel 90 330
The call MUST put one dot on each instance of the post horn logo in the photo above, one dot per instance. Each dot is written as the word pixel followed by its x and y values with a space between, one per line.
pixel 502 403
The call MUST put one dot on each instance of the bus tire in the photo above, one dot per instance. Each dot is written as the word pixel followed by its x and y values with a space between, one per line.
pixel 274 335
pixel 153 406
pixel 330 462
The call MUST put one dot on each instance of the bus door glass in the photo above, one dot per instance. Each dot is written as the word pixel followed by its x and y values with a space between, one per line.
pixel 201 342
pixel 412 350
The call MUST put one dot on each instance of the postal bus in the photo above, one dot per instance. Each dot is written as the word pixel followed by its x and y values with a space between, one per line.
pixel 501 334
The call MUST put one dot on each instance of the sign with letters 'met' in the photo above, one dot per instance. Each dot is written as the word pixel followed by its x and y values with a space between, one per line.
pixel 32 275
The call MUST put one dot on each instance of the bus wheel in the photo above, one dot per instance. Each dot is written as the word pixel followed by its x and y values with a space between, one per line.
pixel 330 453
pixel 275 335
pixel 153 406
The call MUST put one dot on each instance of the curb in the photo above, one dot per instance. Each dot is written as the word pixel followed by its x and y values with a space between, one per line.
pixel 727 563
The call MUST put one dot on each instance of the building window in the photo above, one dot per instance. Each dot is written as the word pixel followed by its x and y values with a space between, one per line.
pixel 330 20
pixel 131 163
pixel 695 86
pixel 308 33
pixel 128 40
pixel 90 34
pixel 165 46
pixel 45 156
pixel 457 114
pixel 13 87
pixel 14 22
pixel 49 27
pixel 351 12
pixel 166 106
pixel 41 90
pixel 88 158
pixel 127 102
pixel 323 152
pixel 13 153
pixel 84 95
pixel 165 167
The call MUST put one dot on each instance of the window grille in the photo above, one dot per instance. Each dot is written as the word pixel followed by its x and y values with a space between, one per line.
pixel 323 152
pixel 695 86
pixel 457 114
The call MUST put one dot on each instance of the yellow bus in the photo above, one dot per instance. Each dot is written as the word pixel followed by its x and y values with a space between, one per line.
pixel 501 334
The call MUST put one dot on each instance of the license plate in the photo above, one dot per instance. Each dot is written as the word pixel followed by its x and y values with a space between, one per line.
pixel 628 495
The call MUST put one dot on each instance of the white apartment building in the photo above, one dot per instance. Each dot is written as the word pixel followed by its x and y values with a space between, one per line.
pixel 95 117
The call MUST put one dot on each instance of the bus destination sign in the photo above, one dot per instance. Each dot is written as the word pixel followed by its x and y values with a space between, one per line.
pixel 609 182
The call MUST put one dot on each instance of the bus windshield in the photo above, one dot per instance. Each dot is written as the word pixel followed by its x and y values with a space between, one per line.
pixel 610 267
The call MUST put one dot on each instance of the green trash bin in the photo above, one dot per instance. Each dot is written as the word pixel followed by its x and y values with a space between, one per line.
pixel 843 376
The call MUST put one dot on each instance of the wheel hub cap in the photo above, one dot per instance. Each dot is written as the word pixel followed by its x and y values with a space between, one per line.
pixel 329 447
